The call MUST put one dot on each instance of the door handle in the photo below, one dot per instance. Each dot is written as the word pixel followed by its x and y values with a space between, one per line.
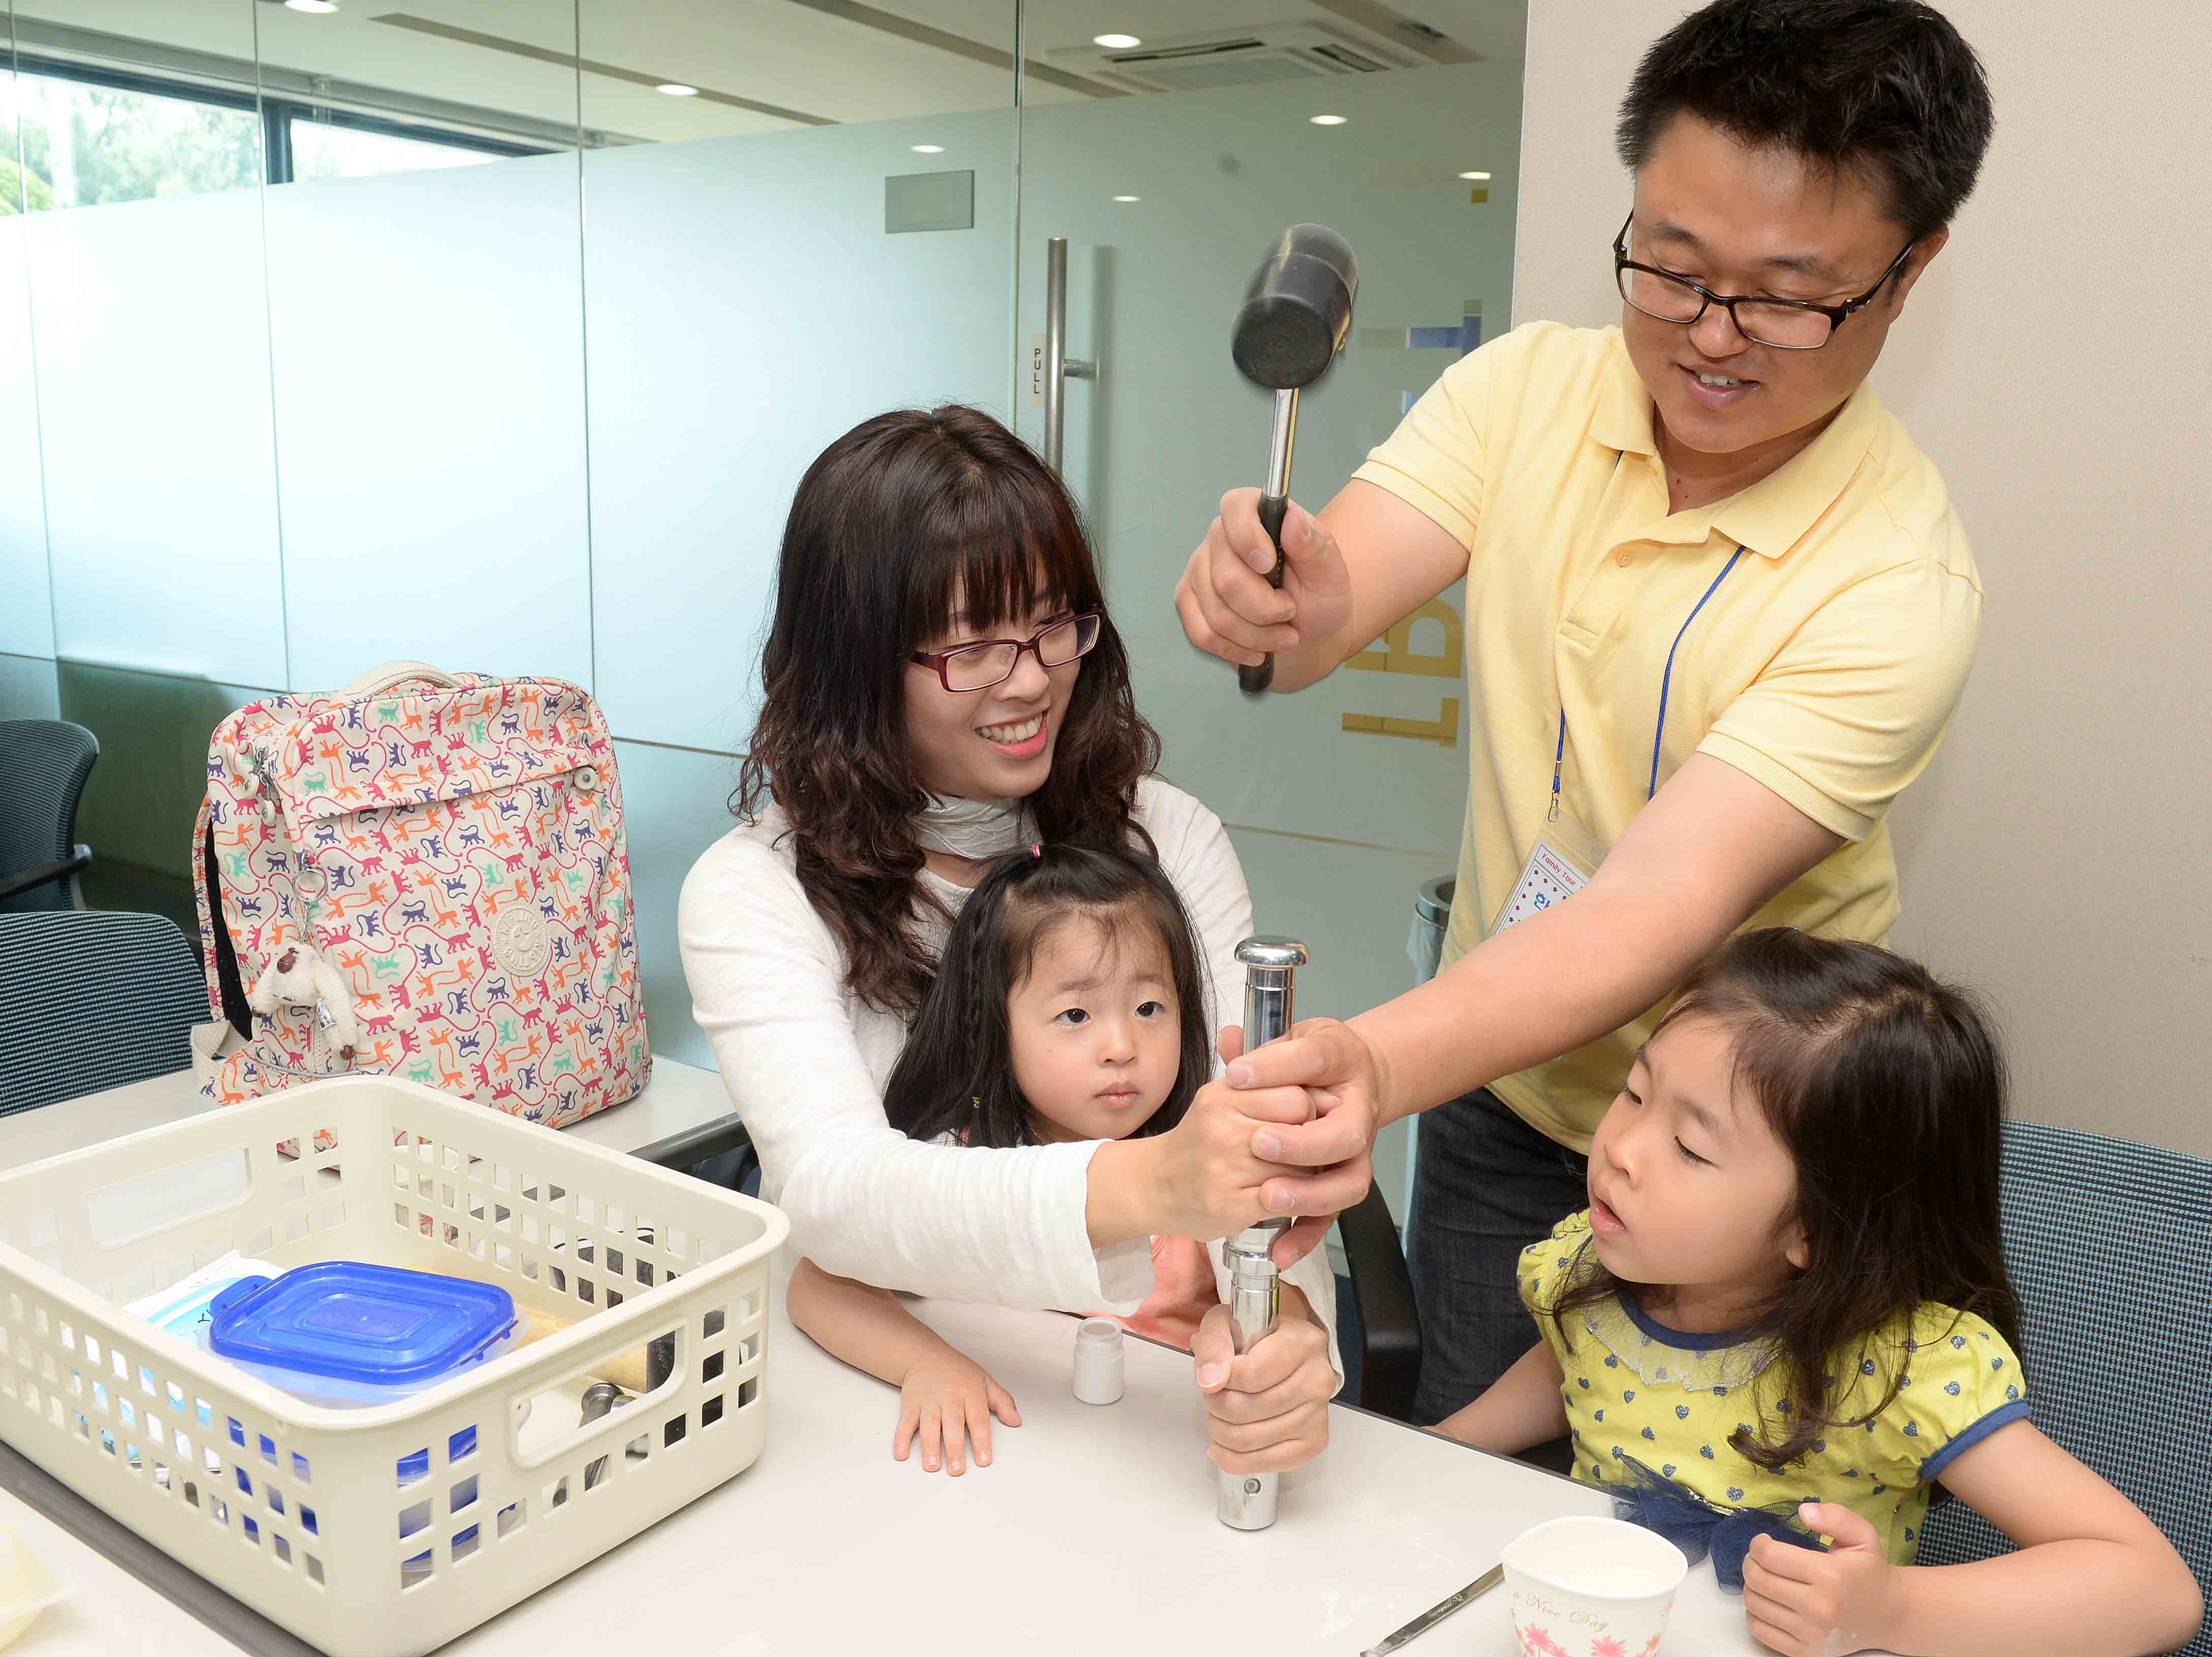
pixel 1058 367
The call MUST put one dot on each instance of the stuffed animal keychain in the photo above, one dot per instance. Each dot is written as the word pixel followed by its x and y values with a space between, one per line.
pixel 298 977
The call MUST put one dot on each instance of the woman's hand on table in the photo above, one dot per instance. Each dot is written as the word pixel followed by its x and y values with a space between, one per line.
pixel 945 1399
pixel 1267 1409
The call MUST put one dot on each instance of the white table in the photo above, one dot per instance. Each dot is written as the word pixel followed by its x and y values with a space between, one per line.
pixel 679 1097
pixel 1092 1528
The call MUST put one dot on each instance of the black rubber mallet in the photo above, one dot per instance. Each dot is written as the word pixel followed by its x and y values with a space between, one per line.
pixel 1293 321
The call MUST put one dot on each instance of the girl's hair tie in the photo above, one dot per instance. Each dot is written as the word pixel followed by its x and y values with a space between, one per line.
pixel 1037 853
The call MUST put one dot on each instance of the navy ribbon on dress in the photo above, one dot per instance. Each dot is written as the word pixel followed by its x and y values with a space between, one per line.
pixel 1698 1526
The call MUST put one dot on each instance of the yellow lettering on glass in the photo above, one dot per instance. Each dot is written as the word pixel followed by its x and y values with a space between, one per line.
pixel 1395 654
pixel 1442 729
pixel 1398 655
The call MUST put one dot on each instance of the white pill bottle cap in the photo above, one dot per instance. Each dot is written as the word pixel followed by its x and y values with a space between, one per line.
pixel 1098 1369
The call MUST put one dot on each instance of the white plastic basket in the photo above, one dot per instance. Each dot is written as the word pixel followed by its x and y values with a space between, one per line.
pixel 305 1513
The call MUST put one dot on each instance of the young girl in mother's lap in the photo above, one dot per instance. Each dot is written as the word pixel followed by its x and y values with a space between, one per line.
pixel 1069 1006
pixel 1785 1315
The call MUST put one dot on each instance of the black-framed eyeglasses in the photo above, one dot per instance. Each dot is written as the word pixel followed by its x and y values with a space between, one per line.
pixel 987 662
pixel 1786 325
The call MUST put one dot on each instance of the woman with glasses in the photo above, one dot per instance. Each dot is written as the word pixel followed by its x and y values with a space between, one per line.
pixel 1718 613
pixel 942 685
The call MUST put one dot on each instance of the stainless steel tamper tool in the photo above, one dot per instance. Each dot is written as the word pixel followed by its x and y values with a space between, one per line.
pixel 1246 1502
pixel 1296 313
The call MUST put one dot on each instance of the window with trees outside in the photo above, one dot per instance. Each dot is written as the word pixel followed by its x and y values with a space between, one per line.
pixel 92 137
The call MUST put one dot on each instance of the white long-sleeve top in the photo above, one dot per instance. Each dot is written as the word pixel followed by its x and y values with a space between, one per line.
pixel 806 1063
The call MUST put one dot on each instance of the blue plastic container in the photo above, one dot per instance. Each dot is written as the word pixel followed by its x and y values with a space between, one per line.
pixel 349 1333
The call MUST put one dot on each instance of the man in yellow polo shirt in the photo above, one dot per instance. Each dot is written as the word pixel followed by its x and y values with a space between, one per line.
pixel 1719 612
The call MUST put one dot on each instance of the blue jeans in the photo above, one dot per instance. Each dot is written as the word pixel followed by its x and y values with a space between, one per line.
pixel 1486 1185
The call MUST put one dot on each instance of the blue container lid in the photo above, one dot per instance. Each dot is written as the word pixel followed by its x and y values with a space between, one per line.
pixel 377 1325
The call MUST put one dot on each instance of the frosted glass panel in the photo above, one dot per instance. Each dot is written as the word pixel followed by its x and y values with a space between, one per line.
pixel 27 688
pixel 26 601
pixel 746 305
pixel 26 608
pixel 152 359
pixel 1169 424
pixel 675 804
pixel 427 332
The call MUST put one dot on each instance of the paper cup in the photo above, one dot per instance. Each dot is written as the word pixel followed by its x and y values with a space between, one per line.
pixel 1591 1588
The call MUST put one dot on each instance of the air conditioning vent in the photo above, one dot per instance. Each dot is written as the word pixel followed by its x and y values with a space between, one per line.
pixel 1354 62
pixel 1302 50
pixel 1203 49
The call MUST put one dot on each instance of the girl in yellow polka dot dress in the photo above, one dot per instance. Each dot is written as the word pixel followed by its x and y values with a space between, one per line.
pixel 1785 1316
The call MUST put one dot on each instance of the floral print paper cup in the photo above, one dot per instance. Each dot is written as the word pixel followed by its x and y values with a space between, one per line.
pixel 1591 1588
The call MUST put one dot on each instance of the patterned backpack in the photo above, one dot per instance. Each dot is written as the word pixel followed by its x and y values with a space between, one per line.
pixel 422 876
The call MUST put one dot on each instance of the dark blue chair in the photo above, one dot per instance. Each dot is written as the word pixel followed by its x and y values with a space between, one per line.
pixel 43 767
pixel 93 998
pixel 2108 1243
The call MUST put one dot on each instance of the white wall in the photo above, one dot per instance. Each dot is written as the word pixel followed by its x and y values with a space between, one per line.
pixel 2054 363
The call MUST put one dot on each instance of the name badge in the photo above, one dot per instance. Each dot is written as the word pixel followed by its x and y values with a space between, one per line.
pixel 1559 864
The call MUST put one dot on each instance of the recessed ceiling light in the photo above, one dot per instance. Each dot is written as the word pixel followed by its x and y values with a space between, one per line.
pixel 1328 120
pixel 1479 178
pixel 1128 198
pixel 313 8
pixel 929 149
pixel 1116 42
pixel 677 89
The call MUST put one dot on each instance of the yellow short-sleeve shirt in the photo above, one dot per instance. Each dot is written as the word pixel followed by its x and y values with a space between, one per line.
pixel 1825 663
pixel 1636 1389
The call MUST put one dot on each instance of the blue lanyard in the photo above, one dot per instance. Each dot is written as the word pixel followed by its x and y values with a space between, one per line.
pixel 1665 684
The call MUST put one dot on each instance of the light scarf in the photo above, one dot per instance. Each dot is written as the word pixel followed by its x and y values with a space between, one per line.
pixel 977 829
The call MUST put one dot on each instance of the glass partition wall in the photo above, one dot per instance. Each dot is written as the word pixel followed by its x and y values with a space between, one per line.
pixel 496 333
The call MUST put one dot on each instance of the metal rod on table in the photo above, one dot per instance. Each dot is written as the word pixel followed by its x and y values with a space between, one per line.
pixel 1246 1502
